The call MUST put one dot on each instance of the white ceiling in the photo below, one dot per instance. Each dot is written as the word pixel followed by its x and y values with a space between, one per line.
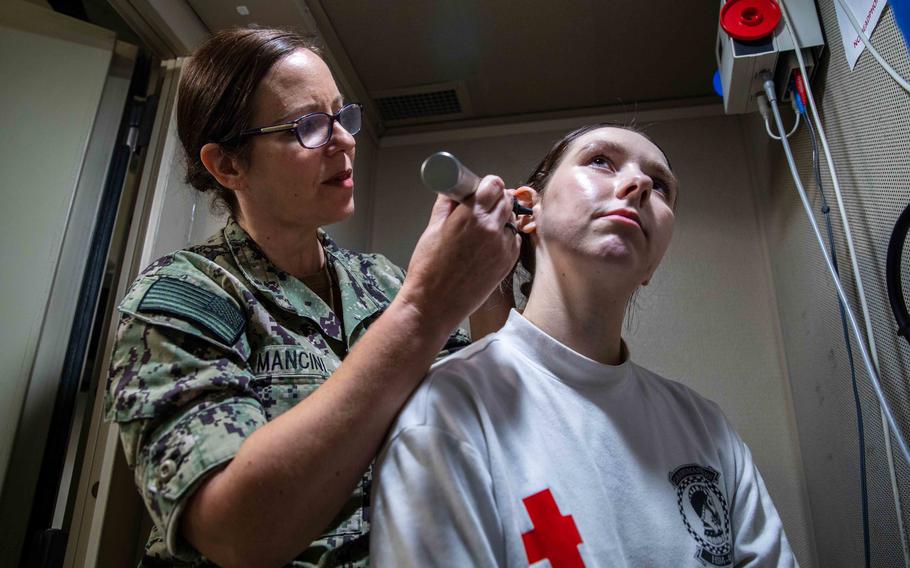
pixel 513 59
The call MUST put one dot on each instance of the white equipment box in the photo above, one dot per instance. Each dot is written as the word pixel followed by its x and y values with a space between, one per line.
pixel 741 62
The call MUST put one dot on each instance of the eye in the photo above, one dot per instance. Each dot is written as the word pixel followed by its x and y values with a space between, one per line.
pixel 601 161
pixel 661 186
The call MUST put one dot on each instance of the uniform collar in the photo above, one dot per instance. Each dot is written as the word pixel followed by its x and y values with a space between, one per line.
pixel 360 296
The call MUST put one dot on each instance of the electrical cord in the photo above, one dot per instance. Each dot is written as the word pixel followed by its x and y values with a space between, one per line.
pixel 789 134
pixel 873 376
pixel 861 431
pixel 893 271
pixel 763 109
pixel 835 181
pixel 868 42
pixel 775 136
pixel 857 274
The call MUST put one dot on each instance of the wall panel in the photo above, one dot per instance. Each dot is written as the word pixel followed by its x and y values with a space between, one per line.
pixel 867 119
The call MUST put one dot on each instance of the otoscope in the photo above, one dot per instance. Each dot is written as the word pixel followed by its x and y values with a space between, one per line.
pixel 443 173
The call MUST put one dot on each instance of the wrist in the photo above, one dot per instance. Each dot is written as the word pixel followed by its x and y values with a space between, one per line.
pixel 421 316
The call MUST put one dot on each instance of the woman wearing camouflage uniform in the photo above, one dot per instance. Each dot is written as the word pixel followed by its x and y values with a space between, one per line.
pixel 255 375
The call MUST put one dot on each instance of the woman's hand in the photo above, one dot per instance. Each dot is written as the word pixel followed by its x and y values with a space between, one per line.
pixel 466 250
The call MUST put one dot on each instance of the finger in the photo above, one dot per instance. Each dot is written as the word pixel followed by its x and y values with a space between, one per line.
pixel 502 212
pixel 442 208
pixel 490 191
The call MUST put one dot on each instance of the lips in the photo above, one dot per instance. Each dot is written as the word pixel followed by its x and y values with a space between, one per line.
pixel 343 178
pixel 629 214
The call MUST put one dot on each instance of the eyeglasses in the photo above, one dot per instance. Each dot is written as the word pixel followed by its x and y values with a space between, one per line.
pixel 315 129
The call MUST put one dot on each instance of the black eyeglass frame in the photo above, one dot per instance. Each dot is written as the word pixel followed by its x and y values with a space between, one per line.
pixel 333 118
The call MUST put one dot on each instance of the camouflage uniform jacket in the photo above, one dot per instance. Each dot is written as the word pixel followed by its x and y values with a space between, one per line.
pixel 215 341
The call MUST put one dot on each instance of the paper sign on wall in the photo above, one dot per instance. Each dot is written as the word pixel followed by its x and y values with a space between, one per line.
pixel 867 13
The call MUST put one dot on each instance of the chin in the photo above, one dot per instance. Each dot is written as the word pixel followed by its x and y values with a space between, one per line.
pixel 616 250
pixel 339 215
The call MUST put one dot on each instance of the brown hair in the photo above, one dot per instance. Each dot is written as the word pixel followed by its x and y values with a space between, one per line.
pixel 215 97
pixel 539 179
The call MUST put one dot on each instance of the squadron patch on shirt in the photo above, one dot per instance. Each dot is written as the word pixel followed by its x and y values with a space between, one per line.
pixel 705 513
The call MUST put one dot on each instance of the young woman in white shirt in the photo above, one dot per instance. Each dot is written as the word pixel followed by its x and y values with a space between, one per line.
pixel 544 441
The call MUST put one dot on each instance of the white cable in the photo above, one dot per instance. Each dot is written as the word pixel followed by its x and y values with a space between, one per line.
pixel 881 60
pixel 789 134
pixel 873 376
pixel 765 111
pixel 857 275
pixel 835 181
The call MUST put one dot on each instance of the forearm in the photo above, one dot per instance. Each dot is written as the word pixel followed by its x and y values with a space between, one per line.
pixel 292 476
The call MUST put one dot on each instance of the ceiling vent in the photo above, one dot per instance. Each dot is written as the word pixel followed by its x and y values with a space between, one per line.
pixel 430 103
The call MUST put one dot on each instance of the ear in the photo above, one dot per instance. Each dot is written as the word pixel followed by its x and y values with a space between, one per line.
pixel 225 168
pixel 528 197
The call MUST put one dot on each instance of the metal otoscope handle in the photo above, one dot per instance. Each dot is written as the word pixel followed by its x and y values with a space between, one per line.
pixel 443 173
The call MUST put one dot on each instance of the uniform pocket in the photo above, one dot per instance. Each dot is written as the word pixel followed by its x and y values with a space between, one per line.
pixel 279 394
pixel 283 375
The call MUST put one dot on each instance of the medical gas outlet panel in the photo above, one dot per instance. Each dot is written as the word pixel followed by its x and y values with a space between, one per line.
pixel 752 37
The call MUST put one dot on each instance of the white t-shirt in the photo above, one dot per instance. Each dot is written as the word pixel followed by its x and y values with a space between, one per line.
pixel 518 450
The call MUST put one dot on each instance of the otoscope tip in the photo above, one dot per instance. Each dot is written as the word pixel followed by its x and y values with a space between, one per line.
pixel 520 209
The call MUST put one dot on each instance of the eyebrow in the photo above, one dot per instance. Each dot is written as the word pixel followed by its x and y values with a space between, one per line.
pixel 613 148
pixel 305 110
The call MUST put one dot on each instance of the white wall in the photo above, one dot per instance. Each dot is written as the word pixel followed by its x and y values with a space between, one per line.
pixel 866 118
pixel 708 319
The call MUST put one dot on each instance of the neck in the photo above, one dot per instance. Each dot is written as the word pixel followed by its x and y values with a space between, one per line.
pixel 297 252
pixel 583 310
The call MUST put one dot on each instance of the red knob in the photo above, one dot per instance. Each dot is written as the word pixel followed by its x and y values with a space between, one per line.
pixel 749 20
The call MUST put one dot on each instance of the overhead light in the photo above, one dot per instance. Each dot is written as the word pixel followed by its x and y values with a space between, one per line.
pixel 243 10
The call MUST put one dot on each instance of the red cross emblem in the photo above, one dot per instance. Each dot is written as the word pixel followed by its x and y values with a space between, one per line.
pixel 554 536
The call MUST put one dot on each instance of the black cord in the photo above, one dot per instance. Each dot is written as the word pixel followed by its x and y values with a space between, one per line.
pixel 893 274
pixel 826 211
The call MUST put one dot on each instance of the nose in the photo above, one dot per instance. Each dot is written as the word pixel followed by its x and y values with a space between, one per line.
pixel 341 140
pixel 635 185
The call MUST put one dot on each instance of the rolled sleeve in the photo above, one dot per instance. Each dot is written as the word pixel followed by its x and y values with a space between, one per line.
pixel 184 406
pixel 182 452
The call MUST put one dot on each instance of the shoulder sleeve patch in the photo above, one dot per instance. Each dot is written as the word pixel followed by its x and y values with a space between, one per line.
pixel 174 297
